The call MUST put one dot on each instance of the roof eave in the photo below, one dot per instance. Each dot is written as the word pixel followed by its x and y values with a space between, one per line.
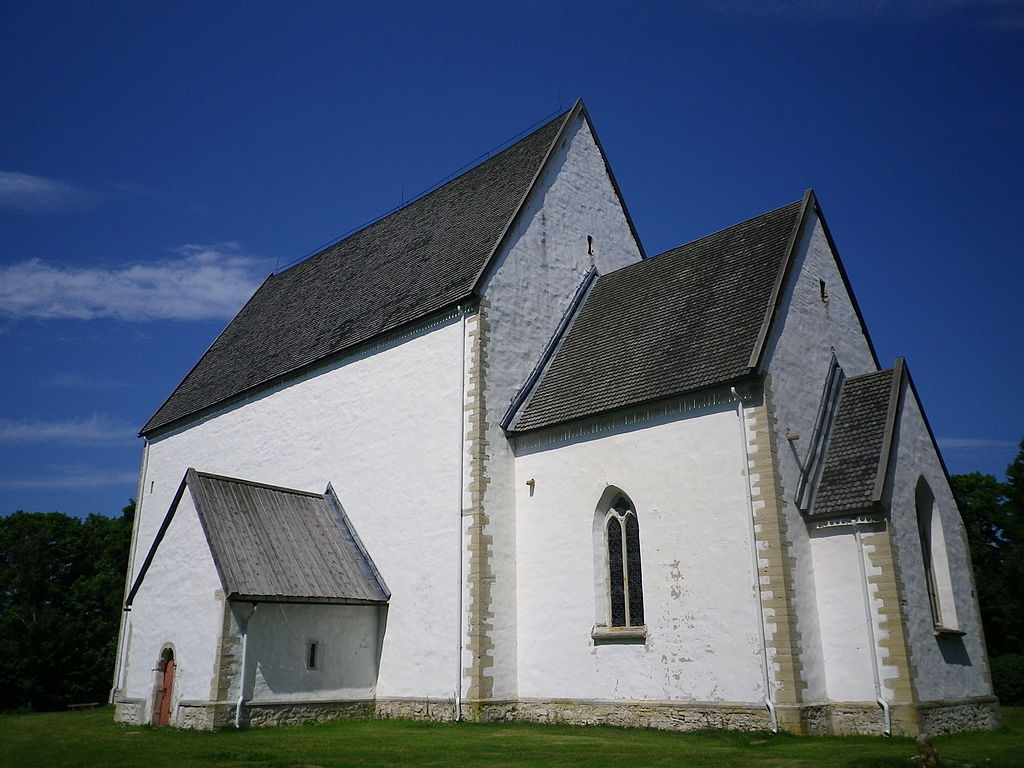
pixel 730 382
pixel 238 597
pixel 146 429
pixel 465 301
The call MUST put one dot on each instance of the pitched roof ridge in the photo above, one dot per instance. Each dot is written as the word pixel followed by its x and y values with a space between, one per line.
pixel 660 257
pixel 463 170
pixel 722 231
pixel 870 373
pixel 567 119
pixel 255 484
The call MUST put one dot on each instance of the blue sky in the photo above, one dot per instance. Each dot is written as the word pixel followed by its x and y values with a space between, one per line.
pixel 157 160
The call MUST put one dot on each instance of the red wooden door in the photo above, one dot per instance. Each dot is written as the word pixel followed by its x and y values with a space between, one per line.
pixel 163 709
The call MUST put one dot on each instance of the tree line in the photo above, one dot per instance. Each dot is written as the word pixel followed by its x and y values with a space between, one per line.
pixel 62 583
pixel 61 587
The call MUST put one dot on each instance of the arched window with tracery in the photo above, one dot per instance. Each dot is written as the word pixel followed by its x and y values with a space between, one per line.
pixel 625 582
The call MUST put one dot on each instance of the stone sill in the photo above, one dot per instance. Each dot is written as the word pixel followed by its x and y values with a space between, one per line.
pixel 941 631
pixel 632 635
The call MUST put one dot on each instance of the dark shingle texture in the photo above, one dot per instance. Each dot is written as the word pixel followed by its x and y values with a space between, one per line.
pixel 279 544
pixel 855 446
pixel 684 320
pixel 415 261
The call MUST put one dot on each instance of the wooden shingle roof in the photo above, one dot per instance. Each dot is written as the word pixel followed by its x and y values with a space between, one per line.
pixel 423 258
pixel 273 544
pixel 857 456
pixel 690 318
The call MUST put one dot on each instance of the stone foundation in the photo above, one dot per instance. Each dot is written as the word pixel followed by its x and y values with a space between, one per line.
pixel 980 714
pixel 440 710
pixel 129 711
pixel 204 715
pixel 662 715
pixel 263 713
pixel 833 719
pixel 817 719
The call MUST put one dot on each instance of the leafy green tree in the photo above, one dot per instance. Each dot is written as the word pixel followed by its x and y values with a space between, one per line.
pixel 993 513
pixel 61 584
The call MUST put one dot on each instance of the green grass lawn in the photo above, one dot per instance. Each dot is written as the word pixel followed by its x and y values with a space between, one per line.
pixel 90 738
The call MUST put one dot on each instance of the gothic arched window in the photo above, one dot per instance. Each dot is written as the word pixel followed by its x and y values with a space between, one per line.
pixel 625 583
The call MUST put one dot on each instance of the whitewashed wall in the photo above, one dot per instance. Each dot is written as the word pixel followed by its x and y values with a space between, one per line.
pixel 684 475
pixel 180 604
pixel 530 286
pixel 948 667
pixel 346 663
pixel 799 351
pixel 385 427
pixel 845 639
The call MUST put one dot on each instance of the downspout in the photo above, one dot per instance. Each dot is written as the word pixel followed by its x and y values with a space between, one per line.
pixel 461 552
pixel 243 625
pixel 769 704
pixel 869 620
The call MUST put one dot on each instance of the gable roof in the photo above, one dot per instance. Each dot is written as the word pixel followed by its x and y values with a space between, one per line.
pixel 421 259
pixel 274 544
pixel 857 456
pixel 690 318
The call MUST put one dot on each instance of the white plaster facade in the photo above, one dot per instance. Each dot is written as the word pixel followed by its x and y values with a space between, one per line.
pixel 492 545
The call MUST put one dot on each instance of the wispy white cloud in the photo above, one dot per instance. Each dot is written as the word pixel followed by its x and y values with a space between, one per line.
pixel 73 477
pixel 198 282
pixel 970 442
pixel 95 430
pixel 32 194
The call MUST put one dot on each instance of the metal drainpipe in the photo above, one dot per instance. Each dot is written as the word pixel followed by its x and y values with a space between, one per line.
pixel 462 480
pixel 769 704
pixel 244 626
pixel 869 620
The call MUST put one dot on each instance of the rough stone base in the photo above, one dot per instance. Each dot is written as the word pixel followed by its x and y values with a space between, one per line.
pixel 980 714
pixel 662 715
pixel 440 710
pixel 833 719
pixel 129 711
pixel 818 719
pixel 204 715
pixel 258 714
pixel 867 718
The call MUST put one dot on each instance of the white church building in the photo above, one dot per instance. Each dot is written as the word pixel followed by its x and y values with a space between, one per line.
pixel 486 460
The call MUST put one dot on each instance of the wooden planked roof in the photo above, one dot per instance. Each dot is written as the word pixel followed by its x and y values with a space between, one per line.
pixel 273 544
